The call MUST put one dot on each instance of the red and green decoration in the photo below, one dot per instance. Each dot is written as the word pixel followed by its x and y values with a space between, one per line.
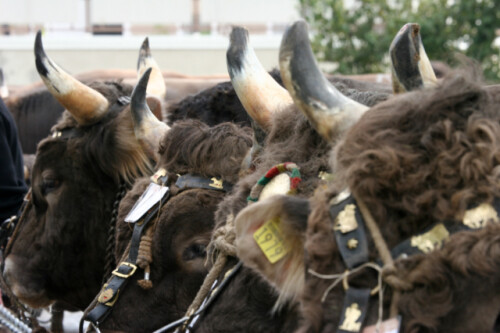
pixel 295 179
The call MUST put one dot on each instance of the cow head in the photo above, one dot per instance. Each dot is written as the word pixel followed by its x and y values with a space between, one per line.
pixel 419 158
pixel 182 229
pixel 58 251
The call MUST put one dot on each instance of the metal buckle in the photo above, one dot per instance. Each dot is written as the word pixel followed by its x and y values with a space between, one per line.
pixel 116 273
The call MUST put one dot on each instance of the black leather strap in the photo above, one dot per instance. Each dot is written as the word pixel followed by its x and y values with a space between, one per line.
pixel 350 232
pixel 120 276
pixel 192 181
pixel 354 310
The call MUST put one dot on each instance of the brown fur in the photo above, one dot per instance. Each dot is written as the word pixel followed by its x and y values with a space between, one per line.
pixel 193 147
pixel 456 289
pixel 416 159
pixel 184 225
pixel 61 244
pixel 291 139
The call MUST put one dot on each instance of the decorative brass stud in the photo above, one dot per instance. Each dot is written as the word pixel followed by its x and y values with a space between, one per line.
pixel 352 243
pixel 216 183
pixel 346 220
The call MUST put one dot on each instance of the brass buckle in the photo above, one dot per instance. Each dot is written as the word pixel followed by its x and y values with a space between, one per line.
pixel 116 273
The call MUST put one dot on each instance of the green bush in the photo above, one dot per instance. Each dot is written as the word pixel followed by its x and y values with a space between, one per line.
pixel 357 37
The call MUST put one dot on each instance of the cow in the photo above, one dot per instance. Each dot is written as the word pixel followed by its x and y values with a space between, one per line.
pixel 130 316
pixel 58 249
pixel 183 227
pixel 246 302
pixel 418 173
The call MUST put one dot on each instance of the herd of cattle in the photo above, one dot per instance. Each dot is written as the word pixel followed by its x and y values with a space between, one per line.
pixel 281 201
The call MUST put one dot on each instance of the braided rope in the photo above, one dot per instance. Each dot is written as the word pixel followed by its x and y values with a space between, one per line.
pixel 222 246
pixel 145 258
pixel 295 179
pixel 110 248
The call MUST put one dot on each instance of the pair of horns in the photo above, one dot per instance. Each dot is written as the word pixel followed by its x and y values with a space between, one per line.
pixel 411 68
pixel 87 105
pixel 329 112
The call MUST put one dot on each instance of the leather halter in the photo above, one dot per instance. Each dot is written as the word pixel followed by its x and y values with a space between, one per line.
pixel 120 276
pixel 352 242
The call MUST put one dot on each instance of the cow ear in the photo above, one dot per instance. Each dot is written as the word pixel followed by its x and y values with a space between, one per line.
pixel 270 239
pixel 154 104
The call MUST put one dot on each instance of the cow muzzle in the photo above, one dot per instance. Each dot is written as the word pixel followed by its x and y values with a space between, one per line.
pixel 27 289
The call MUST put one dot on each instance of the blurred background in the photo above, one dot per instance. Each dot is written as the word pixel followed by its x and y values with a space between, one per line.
pixel 190 36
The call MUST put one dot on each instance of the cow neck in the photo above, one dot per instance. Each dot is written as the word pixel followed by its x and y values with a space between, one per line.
pixel 350 216
pixel 223 245
pixel 102 305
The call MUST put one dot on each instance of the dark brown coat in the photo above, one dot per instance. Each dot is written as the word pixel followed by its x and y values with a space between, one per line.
pixel 184 226
pixel 58 251
pixel 246 304
pixel 415 160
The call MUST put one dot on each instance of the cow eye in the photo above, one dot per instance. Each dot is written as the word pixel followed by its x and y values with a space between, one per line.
pixel 194 251
pixel 48 185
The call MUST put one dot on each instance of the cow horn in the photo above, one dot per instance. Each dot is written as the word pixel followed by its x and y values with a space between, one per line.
pixel 329 112
pixel 259 93
pixel 84 103
pixel 156 85
pixel 411 68
pixel 147 128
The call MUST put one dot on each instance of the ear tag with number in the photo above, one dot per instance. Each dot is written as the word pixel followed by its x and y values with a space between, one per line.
pixel 148 199
pixel 271 241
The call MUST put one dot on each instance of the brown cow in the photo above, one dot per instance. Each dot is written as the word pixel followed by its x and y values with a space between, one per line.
pixel 58 251
pixel 183 227
pixel 419 163
pixel 131 315
pixel 246 302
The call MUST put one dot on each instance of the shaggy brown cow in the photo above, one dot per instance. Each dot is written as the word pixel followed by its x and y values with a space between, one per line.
pixel 58 251
pixel 424 160
pixel 245 304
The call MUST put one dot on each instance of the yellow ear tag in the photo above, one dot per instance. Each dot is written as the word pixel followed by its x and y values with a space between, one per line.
pixel 270 239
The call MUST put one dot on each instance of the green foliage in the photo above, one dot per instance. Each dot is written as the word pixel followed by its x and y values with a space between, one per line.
pixel 357 37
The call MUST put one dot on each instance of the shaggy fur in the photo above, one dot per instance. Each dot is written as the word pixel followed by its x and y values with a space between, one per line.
pixel 60 247
pixel 183 228
pixel 291 138
pixel 456 289
pixel 416 159
pixel 193 147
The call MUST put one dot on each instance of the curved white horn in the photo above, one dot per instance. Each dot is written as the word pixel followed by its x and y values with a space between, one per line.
pixel 259 93
pixel 84 103
pixel 147 128
pixel 156 85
